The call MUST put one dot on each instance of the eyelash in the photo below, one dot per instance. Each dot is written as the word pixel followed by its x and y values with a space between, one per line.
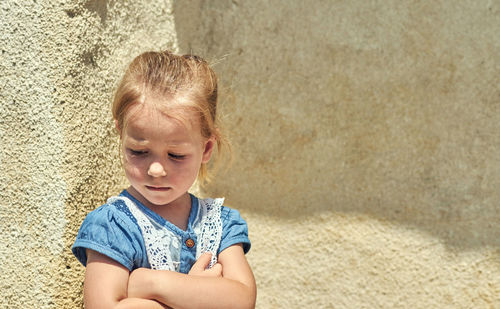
pixel 137 152
pixel 176 156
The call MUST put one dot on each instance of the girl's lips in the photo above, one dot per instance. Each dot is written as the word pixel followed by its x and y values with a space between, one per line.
pixel 157 188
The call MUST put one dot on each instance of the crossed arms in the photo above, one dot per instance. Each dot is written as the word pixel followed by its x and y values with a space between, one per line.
pixel 229 284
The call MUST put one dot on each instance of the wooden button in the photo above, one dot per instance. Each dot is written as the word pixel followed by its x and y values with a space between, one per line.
pixel 190 243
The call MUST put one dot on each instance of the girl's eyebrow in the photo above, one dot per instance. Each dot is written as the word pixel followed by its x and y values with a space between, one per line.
pixel 144 142
pixel 138 141
pixel 177 144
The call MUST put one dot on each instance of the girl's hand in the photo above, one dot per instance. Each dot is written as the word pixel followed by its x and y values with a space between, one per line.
pixel 199 268
pixel 142 282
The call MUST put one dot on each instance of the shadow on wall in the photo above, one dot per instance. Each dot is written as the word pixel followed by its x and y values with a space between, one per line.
pixel 389 110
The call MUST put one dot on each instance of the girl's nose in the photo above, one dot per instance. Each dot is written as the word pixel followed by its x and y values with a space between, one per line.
pixel 156 170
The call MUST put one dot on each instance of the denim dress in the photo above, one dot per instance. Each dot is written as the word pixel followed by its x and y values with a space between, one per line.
pixel 133 235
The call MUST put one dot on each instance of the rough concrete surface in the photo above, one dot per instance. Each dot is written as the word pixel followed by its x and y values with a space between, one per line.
pixel 366 142
pixel 59 158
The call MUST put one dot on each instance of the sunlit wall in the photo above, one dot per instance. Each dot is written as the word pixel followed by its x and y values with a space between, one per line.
pixel 366 140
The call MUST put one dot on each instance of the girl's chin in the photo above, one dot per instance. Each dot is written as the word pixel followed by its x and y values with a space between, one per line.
pixel 156 201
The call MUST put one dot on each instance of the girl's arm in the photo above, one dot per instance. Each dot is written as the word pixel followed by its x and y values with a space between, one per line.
pixel 234 289
pixel 106 283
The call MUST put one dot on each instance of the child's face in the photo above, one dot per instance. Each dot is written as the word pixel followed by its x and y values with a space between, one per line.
pixel 162 155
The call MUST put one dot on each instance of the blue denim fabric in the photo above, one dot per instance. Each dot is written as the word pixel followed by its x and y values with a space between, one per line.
pixel 113 231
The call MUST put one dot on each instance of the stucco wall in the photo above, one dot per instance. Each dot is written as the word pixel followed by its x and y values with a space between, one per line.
pixel 366 138
pixel 58 160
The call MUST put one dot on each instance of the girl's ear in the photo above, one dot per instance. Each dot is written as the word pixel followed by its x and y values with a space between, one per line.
pixel 209 148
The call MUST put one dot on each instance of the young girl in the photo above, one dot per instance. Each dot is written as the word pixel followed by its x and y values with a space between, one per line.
pixel 156 245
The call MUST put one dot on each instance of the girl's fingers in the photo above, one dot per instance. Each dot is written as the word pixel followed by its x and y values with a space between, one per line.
pixel 216 270
pixel 201 264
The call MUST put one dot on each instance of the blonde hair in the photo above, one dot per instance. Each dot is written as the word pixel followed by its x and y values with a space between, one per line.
pixel 187 79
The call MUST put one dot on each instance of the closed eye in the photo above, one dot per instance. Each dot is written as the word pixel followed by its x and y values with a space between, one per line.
pixel 176 156
pixel 137 152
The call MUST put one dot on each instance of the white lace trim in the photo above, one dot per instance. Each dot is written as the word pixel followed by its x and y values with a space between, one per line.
pixel 158 240
pixel 209 229
pixel 163 245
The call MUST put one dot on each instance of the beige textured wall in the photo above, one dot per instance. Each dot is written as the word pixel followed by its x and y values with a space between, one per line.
pixel 366 135
pixel 58 157
pixel 368 146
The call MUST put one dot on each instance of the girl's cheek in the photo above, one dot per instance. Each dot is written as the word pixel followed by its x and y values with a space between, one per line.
pixel 133 170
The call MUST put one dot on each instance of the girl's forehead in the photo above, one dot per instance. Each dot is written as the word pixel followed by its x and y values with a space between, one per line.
pixel 152 111
pixel 144 118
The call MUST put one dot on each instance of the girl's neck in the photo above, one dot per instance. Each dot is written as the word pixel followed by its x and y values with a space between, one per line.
pixel 176 212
